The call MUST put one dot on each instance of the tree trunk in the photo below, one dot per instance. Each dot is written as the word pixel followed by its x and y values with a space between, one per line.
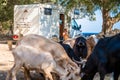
pixel 107 21
pixel 11 28
pixel 107 25
pixel 0 26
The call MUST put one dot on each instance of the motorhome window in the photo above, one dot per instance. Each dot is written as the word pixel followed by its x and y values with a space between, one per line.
pixel 76 11
pixel 47 11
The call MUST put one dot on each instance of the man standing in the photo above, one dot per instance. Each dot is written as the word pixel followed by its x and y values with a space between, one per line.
pixel 65 34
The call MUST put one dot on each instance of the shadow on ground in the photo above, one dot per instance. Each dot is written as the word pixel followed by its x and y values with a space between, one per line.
pixel 20 76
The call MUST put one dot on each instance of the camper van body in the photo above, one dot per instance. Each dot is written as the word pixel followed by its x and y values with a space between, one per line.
pixel 41 19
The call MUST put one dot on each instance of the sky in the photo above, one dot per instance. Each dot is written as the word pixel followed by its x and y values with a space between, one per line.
pixel 94 26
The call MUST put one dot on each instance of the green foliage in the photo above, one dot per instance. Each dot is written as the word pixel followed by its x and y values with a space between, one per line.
pixel 88 7
pixel 7 10
pixel 5 25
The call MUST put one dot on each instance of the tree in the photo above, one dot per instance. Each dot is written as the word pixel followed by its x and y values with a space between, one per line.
pixel 7 11
pixel 110 10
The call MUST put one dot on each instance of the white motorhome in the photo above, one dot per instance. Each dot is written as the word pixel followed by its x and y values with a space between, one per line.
pixel 42 19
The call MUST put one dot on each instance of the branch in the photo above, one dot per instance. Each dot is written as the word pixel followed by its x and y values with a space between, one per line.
pixel 116 18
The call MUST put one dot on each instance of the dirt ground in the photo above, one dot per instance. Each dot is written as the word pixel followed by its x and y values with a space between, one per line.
pixel 7 61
